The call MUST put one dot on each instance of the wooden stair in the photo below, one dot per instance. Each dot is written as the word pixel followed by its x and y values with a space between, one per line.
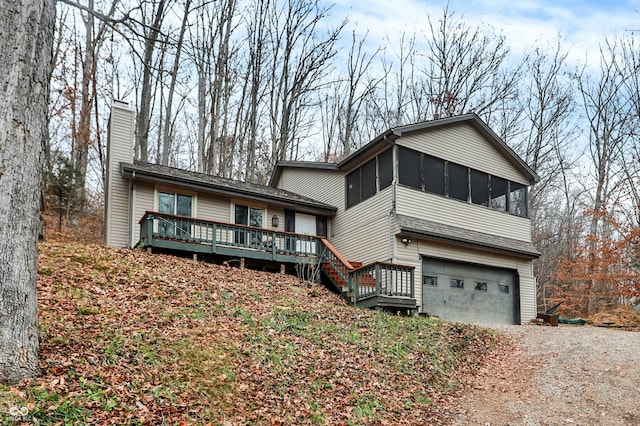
pixel 359 284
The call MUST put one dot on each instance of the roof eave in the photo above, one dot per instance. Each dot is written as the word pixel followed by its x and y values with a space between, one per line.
pixel 483 128
pixel 132 173
pixel 416 233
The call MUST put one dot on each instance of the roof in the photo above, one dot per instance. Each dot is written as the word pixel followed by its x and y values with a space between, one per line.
pixel 155 173
pixel 386 138
pixel 423 228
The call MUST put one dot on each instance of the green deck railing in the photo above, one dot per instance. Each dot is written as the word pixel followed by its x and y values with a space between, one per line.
pixel 382 279
pixel 199 235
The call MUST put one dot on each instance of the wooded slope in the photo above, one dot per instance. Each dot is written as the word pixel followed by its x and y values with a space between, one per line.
pixel 133 338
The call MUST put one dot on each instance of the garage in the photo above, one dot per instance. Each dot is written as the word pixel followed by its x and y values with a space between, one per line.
pixel 469 293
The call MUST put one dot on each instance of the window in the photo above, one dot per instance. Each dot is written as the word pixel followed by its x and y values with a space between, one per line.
pixel 174 204
pixel 499 188
pixel 456 283
pixel 385 169
pixel 251 216
pixel 433 174
pixel 361 183
pixel 518 199
pixel 479 188
pixel 353 188
pixel 458 182
pixel 409 169
pixel 437 176
pixel 368 179
pixel 502 288
pixel 430 281
pixel 481 286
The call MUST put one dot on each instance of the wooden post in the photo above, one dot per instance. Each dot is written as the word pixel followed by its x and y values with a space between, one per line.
pixel 242 263
pixel 282 269
pixel 195 256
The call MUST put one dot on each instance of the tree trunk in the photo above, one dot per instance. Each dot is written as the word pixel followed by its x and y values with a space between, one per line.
pixel 167 134
pixel 26 43
pixel 144 113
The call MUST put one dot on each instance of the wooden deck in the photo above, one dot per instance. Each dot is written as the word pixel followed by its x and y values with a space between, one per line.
pixel 160 230
pixel 377 285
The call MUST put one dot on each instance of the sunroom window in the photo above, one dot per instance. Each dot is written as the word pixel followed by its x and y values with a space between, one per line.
pixel 499 189
pixel 458 183
pixel 479 188
pixel 385 169
pixel 353 188
pixel 409 169
pixel 365 181
pixel 433 170
pixel 518 199
pixel 368 180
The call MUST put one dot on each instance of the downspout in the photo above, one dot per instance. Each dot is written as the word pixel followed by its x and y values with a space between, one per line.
pixel 393 202
pixel 131 212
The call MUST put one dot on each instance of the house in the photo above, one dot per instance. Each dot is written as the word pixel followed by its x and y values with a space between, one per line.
pixel 430 218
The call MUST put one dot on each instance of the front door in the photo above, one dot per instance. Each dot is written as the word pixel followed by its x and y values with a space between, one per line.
pixel 305 225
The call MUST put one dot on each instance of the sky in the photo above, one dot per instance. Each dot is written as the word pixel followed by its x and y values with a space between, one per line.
pixel 581 24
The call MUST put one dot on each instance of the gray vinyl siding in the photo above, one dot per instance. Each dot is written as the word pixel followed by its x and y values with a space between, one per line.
pixel 278 211
pixel 326 186
pixel 463 144
pixel 415 203
pixel 361 232
pixel 412 256
pixel 143 200
pixel 120 149
pixel 211 207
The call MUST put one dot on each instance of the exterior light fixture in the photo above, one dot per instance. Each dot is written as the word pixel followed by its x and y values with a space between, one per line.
pixel 406 241
pixel 275 221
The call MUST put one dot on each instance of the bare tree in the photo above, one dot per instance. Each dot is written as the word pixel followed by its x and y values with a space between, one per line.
pixel 548 106
pixel 466 69
pixel 358 64
pixel 300 59
pixel 167 133
pixel 629 65
pixel 608 112
pixel 143 116
pixel 26 41
pixel 254 81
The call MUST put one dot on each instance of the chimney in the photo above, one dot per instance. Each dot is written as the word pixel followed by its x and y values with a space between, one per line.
pixel 117 220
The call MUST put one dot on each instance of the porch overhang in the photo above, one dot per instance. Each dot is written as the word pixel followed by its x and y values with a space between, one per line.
pixel 434 231
pixel 200 182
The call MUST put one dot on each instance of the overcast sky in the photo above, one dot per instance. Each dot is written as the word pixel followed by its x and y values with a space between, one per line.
pixel 581 23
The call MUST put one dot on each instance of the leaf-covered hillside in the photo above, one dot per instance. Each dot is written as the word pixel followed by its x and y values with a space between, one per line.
pixel 133 338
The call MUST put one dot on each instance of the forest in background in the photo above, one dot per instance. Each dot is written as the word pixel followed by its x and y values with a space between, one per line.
pixel 229 87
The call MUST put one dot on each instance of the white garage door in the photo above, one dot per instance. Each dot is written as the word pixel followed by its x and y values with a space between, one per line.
pixel 469 293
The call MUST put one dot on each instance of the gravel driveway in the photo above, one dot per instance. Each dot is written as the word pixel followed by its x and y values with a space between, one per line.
pixel 558 376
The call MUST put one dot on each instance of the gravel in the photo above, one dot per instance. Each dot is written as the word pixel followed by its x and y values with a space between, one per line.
pixel 558 376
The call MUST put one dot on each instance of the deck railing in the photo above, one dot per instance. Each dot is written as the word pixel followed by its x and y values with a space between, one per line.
pixel 206 236
pixel 382 279
pixel 336 264
pixel 163 226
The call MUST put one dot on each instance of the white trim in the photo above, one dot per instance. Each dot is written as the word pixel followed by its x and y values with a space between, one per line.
pixel 175 190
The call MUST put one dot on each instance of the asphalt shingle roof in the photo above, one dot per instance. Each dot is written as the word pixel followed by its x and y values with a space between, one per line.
pixel 443 232
pixel 211 183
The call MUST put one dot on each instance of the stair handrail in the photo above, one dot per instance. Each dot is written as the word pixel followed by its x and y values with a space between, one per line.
pixel 340 264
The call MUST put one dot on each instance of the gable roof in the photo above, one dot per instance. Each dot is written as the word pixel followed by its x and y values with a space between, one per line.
pixel 155 173
pixel 422 228
pixel 387 138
